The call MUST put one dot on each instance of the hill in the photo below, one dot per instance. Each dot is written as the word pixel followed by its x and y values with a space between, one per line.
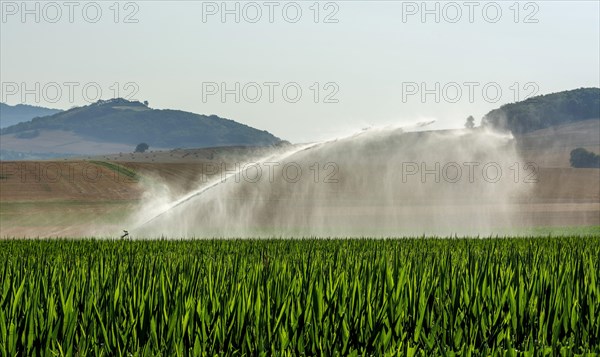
pixel 119 125
pixel 15 114
pixel 545 111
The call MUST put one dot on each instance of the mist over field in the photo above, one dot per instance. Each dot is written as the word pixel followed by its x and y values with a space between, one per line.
pixel 378 182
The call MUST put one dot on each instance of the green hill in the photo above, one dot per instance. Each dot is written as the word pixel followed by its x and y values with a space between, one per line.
pixel 15 114
pixel 129 122
pixel 546 111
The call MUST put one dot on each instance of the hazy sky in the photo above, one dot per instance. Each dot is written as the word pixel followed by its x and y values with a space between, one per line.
pixel 363 62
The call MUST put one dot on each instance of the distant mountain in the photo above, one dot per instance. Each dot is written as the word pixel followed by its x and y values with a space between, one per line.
pixel 545 111
pixel 14 114
pixel 119 125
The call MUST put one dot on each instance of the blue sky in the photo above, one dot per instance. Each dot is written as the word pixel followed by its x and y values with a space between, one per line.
pixel 356 63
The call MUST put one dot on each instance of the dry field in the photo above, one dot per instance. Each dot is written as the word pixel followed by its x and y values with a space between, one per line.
pixel 66 197
pixel 58 198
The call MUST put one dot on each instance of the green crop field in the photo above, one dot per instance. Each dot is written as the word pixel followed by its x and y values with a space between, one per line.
pixel 424 297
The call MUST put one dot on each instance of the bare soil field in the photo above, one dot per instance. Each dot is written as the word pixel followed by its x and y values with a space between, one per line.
pixel 33 181
pixel 551 147
pixel 65 198
pixel 50 198
pixel 37 201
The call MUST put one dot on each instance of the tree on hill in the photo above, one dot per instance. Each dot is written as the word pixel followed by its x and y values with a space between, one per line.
pixel 581 158
pixel 470 124
pixel 141 147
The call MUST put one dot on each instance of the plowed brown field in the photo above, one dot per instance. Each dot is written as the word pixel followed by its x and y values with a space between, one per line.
pixel 65 198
